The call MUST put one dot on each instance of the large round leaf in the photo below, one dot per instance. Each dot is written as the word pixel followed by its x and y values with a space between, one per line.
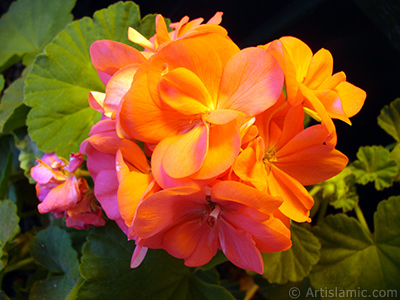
pixel 295 263
pixel 352 258
pixel 57 88
pixel 105 265
pixel 24 34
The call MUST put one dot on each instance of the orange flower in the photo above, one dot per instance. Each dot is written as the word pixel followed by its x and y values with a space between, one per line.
pixel 309 80
pixel 181 29
pixel 285 157
pixel 191 98
pixel 192 225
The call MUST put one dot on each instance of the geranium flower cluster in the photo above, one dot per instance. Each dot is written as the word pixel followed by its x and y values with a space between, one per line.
pixel 62 191
pixel 202 145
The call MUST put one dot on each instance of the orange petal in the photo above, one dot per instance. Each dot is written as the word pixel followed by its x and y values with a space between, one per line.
pixel 308 160
pixel 333 105
pixel 142 119
pixel 252 81
pixel 240 193
pixel 297 202
pixel 223 148
pixel 163 179
pixel 320 69
pixel 205 55
pixel 223 116
pixel 270 236
pixel 320 109
pixel 352 97
pixel 299 54
pixel 120 166
pixel 166 208
pixel 162 35
pixel 193 241
pixel 185 153
pixel 249 166
pixel 130 192
pixel 333 81
pixel 183 91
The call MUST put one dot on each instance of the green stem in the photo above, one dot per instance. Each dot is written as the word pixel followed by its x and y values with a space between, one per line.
pixel 323 207
pixel 18 265
pixel 361 218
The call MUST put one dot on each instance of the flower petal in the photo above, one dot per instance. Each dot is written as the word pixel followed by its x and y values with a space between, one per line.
pixel 193 241
pixel 61 197
pixel 167 208
pixel 185 153
pixel 183 91
pixel 239 248
pixel 142 119
pixel 320 69
pixel 297 202
pixel 130 192
pixel 252 81
pixel 240 193
pixel 352 97
pixel 117 87
pixel 223 148
pixel 108 57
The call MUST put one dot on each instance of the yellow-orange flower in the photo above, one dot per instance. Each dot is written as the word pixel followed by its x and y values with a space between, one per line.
pixel 191 98
pixel 309 80
pixel 285 157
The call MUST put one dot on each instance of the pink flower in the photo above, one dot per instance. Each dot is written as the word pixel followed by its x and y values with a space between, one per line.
pixel 63 193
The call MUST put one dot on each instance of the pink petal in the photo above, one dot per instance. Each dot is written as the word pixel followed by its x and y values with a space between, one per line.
pixel 239 248
pixel 62 197
pixel 108 57
pixel 117 87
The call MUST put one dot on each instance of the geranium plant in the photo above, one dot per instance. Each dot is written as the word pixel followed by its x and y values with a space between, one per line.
pixel 160 158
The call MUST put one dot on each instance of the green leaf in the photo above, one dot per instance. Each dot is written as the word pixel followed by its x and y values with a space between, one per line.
pixel 351 258
pixel 2 82
pixel 300 290
pixel 389 119
pixel 9 225
pixel 374 164
pixel 341 190
pixel 28 152
pixel 6 157
pixel 53 250
pixel 13 111
pixel 57 88
pixel 29 25
pixel 105 265
pixel 395 155
pixel 295 263
pixel 53 288
pixel 219 258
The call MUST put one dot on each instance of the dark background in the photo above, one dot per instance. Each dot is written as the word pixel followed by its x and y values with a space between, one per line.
pixel 362 35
